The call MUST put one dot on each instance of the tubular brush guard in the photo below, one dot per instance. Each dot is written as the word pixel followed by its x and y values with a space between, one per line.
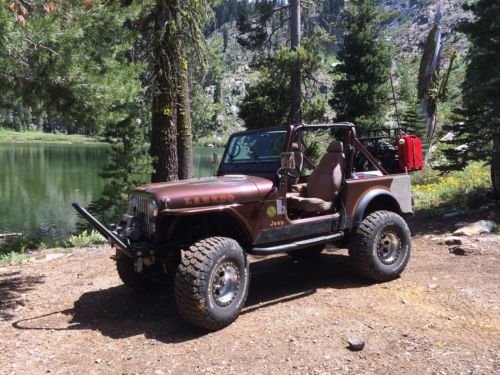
pixel 110 236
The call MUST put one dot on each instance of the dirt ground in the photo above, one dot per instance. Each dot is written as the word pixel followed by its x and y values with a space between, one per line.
pixel 70 314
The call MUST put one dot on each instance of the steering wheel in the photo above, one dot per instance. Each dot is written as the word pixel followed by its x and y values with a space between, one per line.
pixel 289 172
pixel 236 151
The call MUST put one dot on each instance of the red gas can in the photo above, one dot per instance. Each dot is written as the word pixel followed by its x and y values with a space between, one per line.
pixel 410 152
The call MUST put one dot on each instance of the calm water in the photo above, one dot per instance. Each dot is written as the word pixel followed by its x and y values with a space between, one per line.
pixel 38 183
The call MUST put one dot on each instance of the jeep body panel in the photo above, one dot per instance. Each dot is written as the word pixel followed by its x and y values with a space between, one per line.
pixel 208 192
pixel 359 193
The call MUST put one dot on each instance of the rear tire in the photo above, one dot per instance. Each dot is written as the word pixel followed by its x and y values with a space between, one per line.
pixel 381 246
pixel 211 284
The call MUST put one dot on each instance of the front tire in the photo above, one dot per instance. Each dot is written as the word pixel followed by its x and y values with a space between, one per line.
pixel 211 284
pixel 138 282
pixel 381 246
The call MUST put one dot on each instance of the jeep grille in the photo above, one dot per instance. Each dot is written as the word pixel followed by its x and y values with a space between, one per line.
pixel 141 214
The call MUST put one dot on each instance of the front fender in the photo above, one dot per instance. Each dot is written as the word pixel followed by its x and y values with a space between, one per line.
pixel 229 209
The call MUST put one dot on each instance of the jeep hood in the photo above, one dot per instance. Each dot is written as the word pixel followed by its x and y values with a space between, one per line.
pixel 210 191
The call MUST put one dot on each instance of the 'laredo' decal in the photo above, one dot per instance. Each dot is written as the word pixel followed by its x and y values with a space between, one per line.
pixel 208 199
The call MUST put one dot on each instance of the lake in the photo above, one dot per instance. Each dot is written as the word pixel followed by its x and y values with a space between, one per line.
pixel 38 183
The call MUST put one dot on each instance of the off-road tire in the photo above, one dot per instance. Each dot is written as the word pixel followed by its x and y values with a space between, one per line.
pixel 198 282
pixel 307 253
pixel 381 232
pixel 138 282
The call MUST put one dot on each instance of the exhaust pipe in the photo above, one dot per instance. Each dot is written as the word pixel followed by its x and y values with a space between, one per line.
pixel 106 233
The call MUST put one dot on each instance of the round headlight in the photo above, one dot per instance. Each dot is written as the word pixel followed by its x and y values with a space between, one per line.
pixel 132 203
pixel 152 208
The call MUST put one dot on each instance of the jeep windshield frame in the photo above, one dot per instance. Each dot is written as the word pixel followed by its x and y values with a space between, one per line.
pixel 255 152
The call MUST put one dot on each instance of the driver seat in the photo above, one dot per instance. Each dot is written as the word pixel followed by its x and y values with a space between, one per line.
pixel 323 185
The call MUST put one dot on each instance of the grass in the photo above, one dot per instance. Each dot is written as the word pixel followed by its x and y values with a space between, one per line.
pixel 435 193
pixel 14 249
pixel 17 250
pixel 85 239
pixel 11 136
pixel 12 259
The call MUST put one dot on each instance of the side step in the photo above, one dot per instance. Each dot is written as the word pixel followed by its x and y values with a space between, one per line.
pixel 296 245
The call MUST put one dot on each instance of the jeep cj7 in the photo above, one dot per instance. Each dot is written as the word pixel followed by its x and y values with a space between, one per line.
pixel 290 189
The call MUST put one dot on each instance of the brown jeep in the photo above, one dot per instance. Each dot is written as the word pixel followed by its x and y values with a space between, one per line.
pixel 290 189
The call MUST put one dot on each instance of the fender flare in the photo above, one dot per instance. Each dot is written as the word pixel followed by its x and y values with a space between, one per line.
pixel 360 208
pixel 227 209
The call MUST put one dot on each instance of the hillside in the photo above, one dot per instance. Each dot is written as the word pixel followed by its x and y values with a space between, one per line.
pixel 408 28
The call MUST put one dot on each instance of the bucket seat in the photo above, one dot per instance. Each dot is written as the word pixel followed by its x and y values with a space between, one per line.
pixel 323 185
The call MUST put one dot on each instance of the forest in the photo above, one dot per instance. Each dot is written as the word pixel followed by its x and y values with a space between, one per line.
pixel 154 77
pixel 202 187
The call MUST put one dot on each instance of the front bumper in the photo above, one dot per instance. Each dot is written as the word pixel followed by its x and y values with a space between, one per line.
pixel 114 239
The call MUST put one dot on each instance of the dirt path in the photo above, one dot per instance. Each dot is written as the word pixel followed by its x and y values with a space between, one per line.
pixel 71 315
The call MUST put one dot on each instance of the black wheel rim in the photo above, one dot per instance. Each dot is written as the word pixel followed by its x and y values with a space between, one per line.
pixel 225 283
pixel 389 246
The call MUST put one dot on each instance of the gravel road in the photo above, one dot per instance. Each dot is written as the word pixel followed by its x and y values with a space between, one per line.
pixel 69 314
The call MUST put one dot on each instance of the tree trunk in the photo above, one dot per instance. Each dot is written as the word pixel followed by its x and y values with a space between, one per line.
pixel 295 81
pixel 495 164
pixel 163 117
pixel 185 137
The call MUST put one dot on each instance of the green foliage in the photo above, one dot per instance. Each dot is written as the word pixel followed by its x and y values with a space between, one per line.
pixel 360 89
pixel 458 190
pixel 13 259
pixel 85 238
pixel 413 120
pixel 130 166
pixel 9 136
pixel 268 102
pixel 20 244
pixel 407 78
pixel 204 112
pixel 71 60
pixel 478 121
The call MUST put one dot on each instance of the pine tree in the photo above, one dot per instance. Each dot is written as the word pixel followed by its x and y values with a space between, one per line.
pixel 478 125
pixel 129 165
pixel 361 90
pixel 269 103
pixel 261 32
pixel 413 120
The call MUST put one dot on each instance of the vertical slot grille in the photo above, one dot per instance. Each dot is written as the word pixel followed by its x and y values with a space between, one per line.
pixel 141 215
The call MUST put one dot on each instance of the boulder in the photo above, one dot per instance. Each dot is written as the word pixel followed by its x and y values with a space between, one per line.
pixel 479 227
pixel 464 250
pixel 452 241
pixel 356 343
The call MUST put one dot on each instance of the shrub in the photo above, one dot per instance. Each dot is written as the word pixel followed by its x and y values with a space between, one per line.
pixel 432 190
pixel 20 244
pixel 13 249
pixel 85 239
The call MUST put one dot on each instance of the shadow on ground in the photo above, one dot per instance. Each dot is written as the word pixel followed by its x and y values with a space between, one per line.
pixel 12 287
pixel 118 313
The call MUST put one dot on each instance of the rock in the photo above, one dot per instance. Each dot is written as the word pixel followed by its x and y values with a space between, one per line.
pixel 450 136
pixel 464 251
pixel 160 372
pixel 461 224
pixel 479 227
pixel 432 286
pixel 356 343
pixel 452 241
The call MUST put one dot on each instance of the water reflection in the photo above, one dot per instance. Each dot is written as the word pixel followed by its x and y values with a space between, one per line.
pixel 38 182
